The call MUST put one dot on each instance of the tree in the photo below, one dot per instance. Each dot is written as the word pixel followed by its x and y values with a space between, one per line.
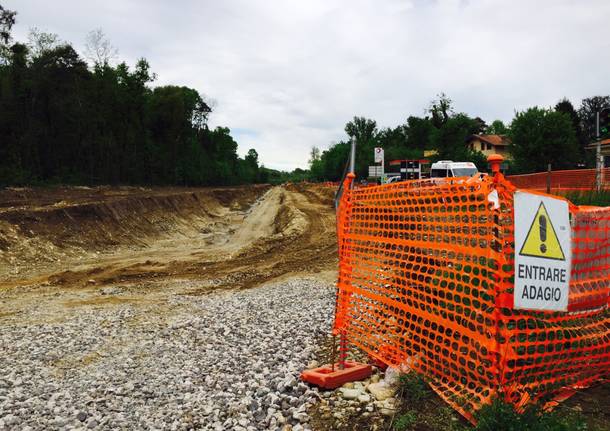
pixel 542 136
pixel 481 125
pixel 98 48
pixel 40 42
pixel 7 20
pixel 450 139
pixel 419 131
pixel 440 110
pixel 252 157
pixel 362 129
pixel 314 155
pixel 587 115
pixel 61 121
pixel 565 106
pixel 497 128
pixel 334 161
pixel 316 165
pixel 394 141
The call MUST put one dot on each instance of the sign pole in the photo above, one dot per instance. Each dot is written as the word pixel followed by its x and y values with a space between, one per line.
pixel 352 157
pixel 598 155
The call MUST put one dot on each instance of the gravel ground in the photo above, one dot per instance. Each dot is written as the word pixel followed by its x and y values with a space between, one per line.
pixel 228 360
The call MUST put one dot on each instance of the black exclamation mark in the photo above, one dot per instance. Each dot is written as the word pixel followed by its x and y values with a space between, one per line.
pixel 542 224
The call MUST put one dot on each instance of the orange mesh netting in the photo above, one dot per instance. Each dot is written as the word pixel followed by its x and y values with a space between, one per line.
pixel 577 179
pixel 426 282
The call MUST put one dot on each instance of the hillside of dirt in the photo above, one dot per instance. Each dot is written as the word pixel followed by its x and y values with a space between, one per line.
pixel 230 236
pixel 128 308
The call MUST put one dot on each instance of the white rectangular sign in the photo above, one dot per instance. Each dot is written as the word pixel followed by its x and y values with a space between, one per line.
pixel 375 171
pixel 378 155
pixel 543 252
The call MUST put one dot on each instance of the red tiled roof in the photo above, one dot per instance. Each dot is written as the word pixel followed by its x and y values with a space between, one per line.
pixel 497 140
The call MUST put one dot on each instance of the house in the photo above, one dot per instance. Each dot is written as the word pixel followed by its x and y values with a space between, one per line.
pixel 490 144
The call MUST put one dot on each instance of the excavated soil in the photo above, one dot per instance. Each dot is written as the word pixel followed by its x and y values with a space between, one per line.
pixel 232 237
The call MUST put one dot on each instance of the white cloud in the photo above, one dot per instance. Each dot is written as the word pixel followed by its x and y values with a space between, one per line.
pixel 291 73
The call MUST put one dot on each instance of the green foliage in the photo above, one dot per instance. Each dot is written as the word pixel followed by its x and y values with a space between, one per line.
pixel 441 110
pixel 7 20
pixel 541 136
pixel 587 115
pixel 405 421
pixel 501 416
pixel 333 161
pixel 364 132
pixel 61 121
pixel 497 128
pixel 413 388
pixel 594 198
pixel 450 140
pixel 566 107
pixel 419 131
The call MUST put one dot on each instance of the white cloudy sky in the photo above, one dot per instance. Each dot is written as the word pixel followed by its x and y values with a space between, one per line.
pixel 287 75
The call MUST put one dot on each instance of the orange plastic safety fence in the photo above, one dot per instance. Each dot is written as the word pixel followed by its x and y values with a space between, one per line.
pixel 577 179
pixel 425 282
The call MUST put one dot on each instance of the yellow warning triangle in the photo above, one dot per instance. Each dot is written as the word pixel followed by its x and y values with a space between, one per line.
pixel 541 240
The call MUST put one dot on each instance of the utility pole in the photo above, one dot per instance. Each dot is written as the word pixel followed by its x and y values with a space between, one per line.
pixel 599 165
pixel 352 157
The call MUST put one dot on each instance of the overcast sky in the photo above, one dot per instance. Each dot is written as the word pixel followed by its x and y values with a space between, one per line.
pixel 287 75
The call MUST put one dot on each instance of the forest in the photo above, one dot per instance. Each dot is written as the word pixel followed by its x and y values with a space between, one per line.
pixel 538 136
pixel 67 119
pixel 77 118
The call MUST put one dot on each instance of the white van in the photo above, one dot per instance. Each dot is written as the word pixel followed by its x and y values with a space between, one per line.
pixel 448 168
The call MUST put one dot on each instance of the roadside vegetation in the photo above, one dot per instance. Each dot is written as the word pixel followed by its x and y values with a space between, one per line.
pixel 422 409
pixel 538 136
pixel 85 118
pixel 594 198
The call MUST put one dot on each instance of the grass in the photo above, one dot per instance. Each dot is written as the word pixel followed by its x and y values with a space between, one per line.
pixel 421 409
pixel 501 416
pixel 590 197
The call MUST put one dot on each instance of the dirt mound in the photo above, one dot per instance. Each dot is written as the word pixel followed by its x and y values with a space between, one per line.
pixel 231 237
pixel 71 222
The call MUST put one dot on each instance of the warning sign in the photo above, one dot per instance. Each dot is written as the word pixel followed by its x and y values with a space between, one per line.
pixel 541 240
pixel 543 252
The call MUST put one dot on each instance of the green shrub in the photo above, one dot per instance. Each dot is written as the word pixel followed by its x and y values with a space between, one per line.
pixel 501 416
pixel 596 198
pixel 405 421
pixel 413 388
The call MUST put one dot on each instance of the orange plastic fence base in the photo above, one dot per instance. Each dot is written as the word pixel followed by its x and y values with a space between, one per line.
pixel 325 377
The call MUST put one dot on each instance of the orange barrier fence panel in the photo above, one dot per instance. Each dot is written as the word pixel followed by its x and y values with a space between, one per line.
pixel 577 179
pixel 426 283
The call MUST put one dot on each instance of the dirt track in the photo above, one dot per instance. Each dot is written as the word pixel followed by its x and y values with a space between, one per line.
pixel 226 238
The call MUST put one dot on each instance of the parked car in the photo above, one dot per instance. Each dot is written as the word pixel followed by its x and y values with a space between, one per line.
pixel 394 179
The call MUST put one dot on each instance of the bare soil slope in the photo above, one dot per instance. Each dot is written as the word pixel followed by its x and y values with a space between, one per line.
pixel 225 237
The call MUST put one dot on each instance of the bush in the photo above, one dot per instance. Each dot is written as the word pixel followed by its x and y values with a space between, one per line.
pixel 413 388
pixel 501 416
pixel 405 421
pixel 592 197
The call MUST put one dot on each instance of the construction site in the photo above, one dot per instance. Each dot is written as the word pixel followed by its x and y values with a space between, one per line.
pixel 134 300
pixel 304 216
pixel 218 308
